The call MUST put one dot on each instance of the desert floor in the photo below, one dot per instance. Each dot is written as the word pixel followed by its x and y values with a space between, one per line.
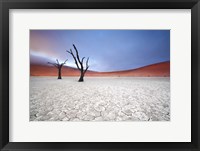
pixel 100 99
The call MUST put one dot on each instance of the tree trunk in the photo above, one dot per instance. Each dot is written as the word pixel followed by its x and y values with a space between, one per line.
pixel 81 77
pixel 59 73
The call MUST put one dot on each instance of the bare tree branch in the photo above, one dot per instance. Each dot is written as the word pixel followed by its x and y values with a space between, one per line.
pixel 74 58
pixel 77 55
pixel 87 66
pixel 82 60
pixel 79 63
pixel 57 61
pixel 58 66
pixel 53 64
pixel 87 61
pixel 64 62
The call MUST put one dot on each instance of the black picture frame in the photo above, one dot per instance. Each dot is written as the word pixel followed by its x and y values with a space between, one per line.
pixel 5 5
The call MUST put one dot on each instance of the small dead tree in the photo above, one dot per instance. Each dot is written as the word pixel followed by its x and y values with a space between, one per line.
pixel 79 63
pixel 58 66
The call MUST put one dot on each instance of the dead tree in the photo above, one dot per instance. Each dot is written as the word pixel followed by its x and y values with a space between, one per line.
pixel 79 63
pixel 58 66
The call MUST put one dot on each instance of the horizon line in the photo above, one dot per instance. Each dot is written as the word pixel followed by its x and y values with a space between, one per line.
pixel 108 71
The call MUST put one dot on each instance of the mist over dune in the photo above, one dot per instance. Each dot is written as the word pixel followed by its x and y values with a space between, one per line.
pixel 155 70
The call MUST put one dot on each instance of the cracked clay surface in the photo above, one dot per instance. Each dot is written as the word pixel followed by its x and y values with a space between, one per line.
pixel 100 99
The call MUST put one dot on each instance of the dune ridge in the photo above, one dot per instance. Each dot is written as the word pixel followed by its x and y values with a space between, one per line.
pixel 155 70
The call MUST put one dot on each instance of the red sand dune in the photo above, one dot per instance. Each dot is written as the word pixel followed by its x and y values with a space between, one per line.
pixel 154 70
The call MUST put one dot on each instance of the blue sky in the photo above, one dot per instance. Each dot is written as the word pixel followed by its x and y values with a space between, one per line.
pixel 109 50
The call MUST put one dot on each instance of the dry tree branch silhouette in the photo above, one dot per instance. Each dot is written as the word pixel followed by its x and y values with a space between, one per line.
pixel 79 63
pixel 58 66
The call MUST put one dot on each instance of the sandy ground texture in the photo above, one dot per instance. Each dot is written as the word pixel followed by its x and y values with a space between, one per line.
pixel 100 99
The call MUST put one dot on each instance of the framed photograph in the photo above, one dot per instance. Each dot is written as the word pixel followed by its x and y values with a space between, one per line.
pixel 99 75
